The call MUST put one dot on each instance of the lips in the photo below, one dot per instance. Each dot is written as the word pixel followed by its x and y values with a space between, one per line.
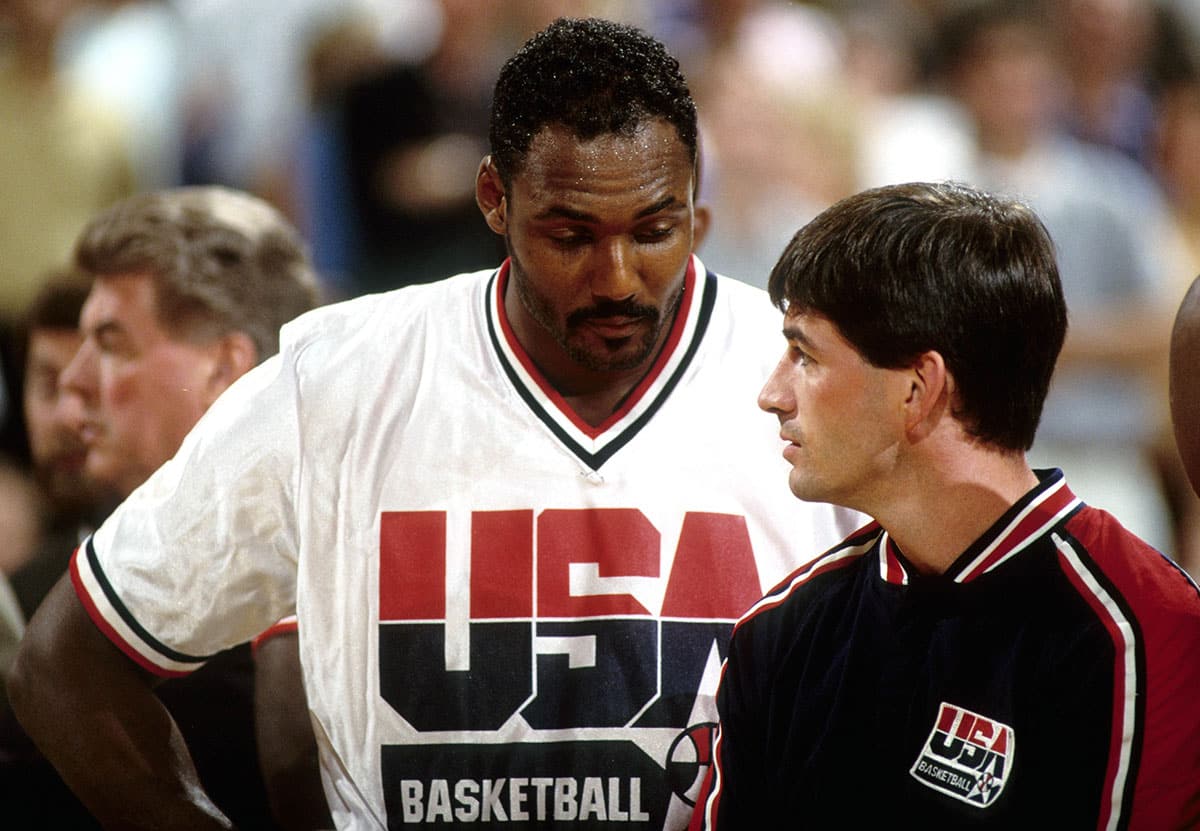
pixel 791 446
pixel 623 317
pixel 783 435
pixel 615 328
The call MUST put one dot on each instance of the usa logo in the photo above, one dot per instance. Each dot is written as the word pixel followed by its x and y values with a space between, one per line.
pixel 967 756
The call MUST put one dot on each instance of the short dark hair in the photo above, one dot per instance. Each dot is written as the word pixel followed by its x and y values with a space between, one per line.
pixel 904 269
pixel 222 261
pixel 59 300
pixel 591 76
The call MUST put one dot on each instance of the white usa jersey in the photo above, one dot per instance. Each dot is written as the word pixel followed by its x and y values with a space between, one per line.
pixel 508 618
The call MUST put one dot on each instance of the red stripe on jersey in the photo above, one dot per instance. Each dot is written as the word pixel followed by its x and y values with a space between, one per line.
pixel 664 355
pixel 109 632
pixel 837 558
pixel 1121 736
pixel 1165 606
pixel 1028 528
pixel 892 567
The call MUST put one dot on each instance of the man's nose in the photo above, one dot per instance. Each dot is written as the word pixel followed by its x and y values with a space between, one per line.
pixel 776 396
pixel 78 378
pixel 615 272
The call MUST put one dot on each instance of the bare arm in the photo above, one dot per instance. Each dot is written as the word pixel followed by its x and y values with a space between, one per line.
pixel 93 713
pixel 287 751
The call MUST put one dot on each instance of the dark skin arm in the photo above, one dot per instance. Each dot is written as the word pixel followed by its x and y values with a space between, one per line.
pixel 287 751
pixel 93 713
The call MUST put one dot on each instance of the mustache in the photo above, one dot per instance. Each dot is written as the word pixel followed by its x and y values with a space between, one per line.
pixel 613 308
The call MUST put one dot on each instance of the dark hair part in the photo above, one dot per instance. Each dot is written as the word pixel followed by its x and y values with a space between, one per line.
pixel 904 269
pixel 592 77
pixel 222 261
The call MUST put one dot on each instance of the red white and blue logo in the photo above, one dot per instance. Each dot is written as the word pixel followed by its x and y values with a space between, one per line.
pixel 967 756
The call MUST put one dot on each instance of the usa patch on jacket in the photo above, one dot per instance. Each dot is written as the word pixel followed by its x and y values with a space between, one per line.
pixel 967 756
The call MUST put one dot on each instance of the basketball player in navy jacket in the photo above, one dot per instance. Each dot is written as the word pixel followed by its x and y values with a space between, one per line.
pixel 992 652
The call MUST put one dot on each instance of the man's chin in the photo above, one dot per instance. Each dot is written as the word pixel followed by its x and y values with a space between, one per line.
pixel 807 490
pixel 106 477
pixel 607 356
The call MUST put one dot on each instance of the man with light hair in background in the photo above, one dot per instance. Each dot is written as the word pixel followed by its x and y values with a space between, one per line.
pixel 190 288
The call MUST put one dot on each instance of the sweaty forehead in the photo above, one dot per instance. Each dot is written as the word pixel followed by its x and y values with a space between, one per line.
pixel 651 161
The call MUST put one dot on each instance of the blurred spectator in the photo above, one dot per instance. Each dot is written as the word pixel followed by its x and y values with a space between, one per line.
pixel 1177 165
pixel 189 289
pixel 411 132
pixel 245 92
pixel 396 126
pixel 909 130
pixel 1104 47
pixel 343 52
pixel 1108 221
pixel 71 505
pixel 128 55
pixel 778 127
pixel 63 154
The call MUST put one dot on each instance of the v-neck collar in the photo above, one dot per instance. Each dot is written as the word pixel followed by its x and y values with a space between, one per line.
pixel 594 445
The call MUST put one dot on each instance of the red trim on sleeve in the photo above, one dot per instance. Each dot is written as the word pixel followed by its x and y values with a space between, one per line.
pixel 109 632
pixel 283 627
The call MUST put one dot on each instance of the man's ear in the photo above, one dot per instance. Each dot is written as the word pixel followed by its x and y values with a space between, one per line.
pixel 489 196
pixel 929 393
pixel 235 355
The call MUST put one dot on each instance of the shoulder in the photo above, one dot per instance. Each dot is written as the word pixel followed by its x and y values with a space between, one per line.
pixel 813 585
pixel 742 296
pixel 1134 568
pixel 387 322
pixel 743 318
pixel 1151 611
pixel 1129 581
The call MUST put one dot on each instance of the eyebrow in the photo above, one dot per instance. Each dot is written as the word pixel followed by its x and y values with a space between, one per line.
pixel 563 212
pixel 793 332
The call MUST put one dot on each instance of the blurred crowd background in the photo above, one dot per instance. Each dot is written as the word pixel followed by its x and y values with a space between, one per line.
pixel 364 121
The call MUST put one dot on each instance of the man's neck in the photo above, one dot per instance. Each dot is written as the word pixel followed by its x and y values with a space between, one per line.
pixel 593 395
pixel 945 506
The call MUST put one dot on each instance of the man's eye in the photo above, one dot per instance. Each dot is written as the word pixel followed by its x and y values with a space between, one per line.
pixel 656 234
pixel 569 239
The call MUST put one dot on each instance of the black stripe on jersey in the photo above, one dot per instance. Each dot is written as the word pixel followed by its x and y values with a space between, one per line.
pixel 130 620
pixel 708 299
pixel 1139 660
